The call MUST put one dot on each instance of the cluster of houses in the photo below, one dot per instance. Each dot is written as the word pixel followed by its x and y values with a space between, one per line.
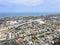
pixel 37 32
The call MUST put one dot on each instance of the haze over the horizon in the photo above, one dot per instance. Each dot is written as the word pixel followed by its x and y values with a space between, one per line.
pixel 26 6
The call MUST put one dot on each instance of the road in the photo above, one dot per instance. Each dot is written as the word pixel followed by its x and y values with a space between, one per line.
pixel 9 27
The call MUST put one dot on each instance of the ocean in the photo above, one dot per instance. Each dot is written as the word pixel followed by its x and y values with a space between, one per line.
pixel 22 14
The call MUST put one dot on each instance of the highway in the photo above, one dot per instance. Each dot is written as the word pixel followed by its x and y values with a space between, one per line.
pixel 9 27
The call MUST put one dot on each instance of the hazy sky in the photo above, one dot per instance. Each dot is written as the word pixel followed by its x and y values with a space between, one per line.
pixel 29 6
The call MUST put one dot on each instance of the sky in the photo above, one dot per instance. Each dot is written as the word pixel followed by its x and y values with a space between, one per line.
pixel 27 6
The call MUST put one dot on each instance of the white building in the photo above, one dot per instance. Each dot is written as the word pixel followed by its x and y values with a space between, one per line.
pixel 12 22
pixel 40 21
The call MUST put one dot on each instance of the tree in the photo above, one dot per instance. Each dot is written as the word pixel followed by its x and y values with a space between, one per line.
pixel 57 41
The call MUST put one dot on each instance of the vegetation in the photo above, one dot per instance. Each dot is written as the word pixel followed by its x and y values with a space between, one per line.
pixel 57 41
